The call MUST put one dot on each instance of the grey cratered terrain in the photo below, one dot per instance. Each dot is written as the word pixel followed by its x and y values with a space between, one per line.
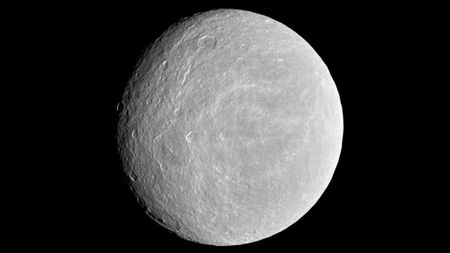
pixel 230 128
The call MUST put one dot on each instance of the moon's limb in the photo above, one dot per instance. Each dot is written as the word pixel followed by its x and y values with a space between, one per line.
pixel 231 128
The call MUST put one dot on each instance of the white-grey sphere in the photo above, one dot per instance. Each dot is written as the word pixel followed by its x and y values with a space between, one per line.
pixel 230 129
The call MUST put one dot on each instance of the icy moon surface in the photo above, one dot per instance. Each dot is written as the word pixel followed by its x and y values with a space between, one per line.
pixel 230 128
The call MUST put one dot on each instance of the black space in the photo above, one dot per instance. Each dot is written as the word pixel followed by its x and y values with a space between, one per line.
pixel 95 49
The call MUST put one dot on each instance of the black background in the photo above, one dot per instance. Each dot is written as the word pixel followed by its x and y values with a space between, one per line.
pixel 90 53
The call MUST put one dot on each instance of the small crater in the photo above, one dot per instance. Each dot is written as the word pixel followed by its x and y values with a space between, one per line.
pixel 244 47
pixel 133 134
pixel 163 66
pixel 175 112
pixel 132 176
pixel 119 107
pixel 217 169
pixel 189 137
pixel 158 219
pixel 207 42
pixel 162 167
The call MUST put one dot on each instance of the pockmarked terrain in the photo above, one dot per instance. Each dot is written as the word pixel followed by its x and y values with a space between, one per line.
pixel 230 128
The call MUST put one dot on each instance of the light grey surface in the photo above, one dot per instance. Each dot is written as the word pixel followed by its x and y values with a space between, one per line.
pixel 231 128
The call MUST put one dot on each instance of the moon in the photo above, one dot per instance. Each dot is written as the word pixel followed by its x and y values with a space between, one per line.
pixel 230 128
